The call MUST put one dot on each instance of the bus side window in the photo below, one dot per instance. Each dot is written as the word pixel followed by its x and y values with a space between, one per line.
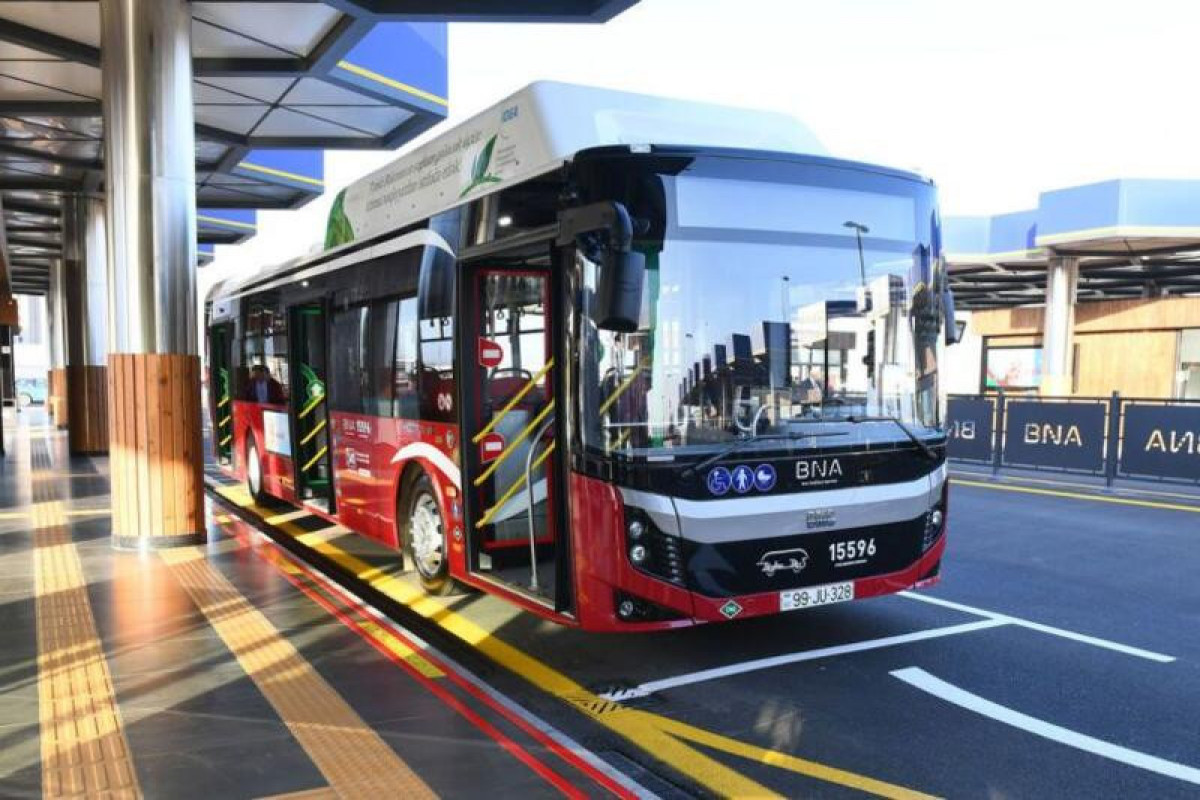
pixel 264 346
pixel 436 381
pixel 381 345
pixel 349 331
pixel 405 374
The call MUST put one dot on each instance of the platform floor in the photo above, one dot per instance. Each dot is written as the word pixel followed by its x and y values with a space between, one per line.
pixel 220 671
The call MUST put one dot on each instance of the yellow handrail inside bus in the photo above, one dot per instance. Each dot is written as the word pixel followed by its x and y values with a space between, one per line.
pixel 492 467
pixel 308 436
pixel 223 401
pixel 225 441
pixel 516 398
pixel 315 459
pixel 224 422
pixel 304 412
pixel 516 487
pixel 623 387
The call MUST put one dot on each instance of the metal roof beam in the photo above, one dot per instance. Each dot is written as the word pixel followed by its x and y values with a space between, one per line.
pixel 50 108
pixel 486 10
pixel 49 43
pixel 38 209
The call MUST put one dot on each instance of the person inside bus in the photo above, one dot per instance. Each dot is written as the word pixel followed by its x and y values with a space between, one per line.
pixel 262 388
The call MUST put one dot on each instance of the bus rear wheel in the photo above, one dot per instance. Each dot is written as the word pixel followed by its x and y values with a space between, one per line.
pixel 254 473
pixel 425 538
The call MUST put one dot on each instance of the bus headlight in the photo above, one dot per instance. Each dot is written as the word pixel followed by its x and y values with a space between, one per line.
pixel 935 519
pixel 636 529
pixel 650 550
pixel 638 554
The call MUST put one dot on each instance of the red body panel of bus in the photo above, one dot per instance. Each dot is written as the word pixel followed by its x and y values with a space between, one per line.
pixel 371 456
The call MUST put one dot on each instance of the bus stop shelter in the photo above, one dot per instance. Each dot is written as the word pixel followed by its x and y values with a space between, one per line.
pixel 136 134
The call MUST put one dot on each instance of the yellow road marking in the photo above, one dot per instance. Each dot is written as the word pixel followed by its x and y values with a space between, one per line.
pixel 352 756
pixel 1123 501
pixel 662 738
pixel 516 398
pixel 520 437
pixel 13 514
pixel 1023 479
pixel 395 84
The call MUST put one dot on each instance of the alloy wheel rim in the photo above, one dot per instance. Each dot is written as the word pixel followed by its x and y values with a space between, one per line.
pixel 425 524
pixel 255 471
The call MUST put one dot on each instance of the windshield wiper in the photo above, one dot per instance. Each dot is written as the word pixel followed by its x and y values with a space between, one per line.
pixel 687 472
pixel 917 440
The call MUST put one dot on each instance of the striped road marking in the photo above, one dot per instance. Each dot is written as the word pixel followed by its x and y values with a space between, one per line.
pixel 716 673
pixel 671 742
pixel 1095 641
pixel 919 678
pixel 351 756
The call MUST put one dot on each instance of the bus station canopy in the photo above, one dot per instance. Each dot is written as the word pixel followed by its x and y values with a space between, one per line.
pixel 1132 238
pixel 274 84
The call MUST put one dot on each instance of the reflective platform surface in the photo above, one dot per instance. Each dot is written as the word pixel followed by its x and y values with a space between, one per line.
pixel 227 670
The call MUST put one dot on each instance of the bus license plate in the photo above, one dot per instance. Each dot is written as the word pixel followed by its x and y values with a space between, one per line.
pixel 811 596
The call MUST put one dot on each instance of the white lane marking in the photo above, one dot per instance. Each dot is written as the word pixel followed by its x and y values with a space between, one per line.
pixel 919 678
pixel 1037 626
pixel 649 688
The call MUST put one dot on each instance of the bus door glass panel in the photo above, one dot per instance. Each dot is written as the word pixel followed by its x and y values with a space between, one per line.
pixel 220 390
pixel 309 405
pixel 512 430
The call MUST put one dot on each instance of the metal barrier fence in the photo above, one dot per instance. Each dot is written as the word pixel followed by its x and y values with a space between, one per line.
pixel 1114 437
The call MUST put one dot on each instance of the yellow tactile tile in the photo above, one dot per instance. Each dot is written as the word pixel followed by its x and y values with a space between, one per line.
pixel 350 755
pixel 84 750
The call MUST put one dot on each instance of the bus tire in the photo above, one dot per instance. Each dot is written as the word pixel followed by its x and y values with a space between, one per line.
pixel 254 473
pixel 425 537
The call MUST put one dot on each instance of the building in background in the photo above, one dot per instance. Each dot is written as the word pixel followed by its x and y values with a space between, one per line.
pixel 1097 290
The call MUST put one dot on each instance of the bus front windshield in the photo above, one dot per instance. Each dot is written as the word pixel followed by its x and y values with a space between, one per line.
pixel 771 312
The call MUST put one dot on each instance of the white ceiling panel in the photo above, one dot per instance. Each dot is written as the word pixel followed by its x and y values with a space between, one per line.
pixel 79 22
pixel 282 122
pixel 377 120
pixel 295 27
pixel 13 89
pixel 268 90
pixel 66 76
pixel 203 93
pixel 212 42
pixel 11 52
pixel 311 91
pixel 236 119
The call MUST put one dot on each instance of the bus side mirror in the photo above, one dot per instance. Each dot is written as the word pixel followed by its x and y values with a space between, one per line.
pixel 622 270
pixel 619 291
pixel 954 330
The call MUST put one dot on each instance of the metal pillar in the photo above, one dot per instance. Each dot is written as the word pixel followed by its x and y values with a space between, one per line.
pixel 86 295
pixel 153 366
pixel 1058 333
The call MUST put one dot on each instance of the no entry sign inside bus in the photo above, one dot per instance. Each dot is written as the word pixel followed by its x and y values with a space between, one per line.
pixel 491 354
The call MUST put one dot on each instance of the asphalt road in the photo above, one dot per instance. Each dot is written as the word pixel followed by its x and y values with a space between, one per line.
pixel 1059 657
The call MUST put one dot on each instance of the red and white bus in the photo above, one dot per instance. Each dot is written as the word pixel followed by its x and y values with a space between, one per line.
pixel 630 363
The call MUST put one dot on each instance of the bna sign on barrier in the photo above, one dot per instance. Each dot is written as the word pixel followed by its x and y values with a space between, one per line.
pixel 1059 435
pixel 969 428
pixel 1161 440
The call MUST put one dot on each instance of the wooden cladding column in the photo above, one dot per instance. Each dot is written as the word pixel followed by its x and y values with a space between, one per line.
pixel 56 397
pixel 87 407
pixel 155 450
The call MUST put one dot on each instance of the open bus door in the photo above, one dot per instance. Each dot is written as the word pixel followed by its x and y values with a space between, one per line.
pixel 220 390
pixel 515 509
pixel 308 369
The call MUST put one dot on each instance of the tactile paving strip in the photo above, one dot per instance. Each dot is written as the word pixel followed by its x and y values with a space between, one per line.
pixel 351 756
pixel 84 750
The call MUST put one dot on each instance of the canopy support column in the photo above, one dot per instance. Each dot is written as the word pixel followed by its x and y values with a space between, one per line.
pixel 86 295
pixel 1058 334
pixel 153 366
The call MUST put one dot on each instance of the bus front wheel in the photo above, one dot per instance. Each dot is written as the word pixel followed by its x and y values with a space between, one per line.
pixel 425 538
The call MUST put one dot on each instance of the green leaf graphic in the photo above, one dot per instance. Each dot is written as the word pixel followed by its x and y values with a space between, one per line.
pixel 338 229
pixel 479 167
